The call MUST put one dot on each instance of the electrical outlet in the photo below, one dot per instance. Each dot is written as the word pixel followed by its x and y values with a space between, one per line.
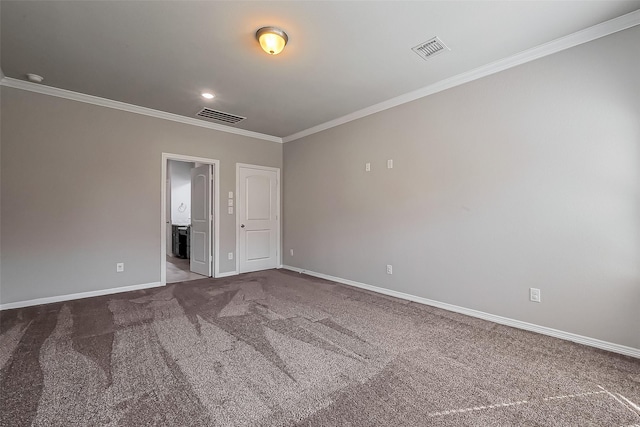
pixel 119 267
pixel 291 252
pixel 534 295
pixel 367 167
pixel 390 164
pixel 230 255
pixel 389 269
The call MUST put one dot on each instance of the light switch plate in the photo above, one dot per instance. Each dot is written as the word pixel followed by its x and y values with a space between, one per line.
pixel 230 210
pixel 230 202
pixel 231 194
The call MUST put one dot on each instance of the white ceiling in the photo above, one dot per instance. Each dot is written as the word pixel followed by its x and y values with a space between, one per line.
pixel 341 57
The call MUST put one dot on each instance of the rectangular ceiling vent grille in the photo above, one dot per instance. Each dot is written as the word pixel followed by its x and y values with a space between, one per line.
pixel 219 116
pixel 430 48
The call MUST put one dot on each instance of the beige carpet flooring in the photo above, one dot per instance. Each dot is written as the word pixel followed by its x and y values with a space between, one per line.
pixel 276 348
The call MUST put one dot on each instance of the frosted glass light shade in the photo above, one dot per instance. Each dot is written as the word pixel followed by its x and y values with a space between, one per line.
pixel 272 39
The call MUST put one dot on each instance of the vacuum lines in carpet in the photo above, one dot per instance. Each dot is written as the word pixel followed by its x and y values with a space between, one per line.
pixel 276 348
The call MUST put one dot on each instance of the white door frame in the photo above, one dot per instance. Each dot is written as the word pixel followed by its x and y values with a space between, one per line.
pixel 264 168
pixel 215 244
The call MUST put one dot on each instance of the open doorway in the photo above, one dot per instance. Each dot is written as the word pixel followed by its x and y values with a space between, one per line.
pixel 190 213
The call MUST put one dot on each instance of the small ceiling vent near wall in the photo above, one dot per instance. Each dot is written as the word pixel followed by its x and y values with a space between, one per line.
pixel 219 116
pixel 430 48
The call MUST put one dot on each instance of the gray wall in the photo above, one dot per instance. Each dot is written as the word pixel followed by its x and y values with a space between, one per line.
pixel 526 178
pixel 81 190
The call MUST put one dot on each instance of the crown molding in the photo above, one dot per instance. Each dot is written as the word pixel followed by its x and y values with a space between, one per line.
pixel 583 36
pixel 589 34
pixel 109 103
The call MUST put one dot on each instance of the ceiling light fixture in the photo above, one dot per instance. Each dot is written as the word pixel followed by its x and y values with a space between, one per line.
pixel 208 95
pixel 272 39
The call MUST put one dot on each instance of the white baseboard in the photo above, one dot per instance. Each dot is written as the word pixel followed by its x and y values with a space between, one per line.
pixel 227 274
pixel 604 345
pixel 79 295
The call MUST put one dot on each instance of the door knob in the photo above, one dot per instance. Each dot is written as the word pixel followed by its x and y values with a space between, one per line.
pixel 242 226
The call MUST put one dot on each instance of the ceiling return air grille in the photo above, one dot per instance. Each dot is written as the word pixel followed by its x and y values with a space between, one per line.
pixel 219 116
pixel 430 48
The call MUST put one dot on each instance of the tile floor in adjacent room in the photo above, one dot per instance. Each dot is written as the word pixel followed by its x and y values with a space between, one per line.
pixel 178 270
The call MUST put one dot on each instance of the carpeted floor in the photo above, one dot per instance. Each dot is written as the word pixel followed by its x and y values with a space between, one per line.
pixel 277 348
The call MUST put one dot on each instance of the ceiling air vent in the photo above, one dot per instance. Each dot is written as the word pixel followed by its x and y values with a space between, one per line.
pixel 219 116
pixel 430 48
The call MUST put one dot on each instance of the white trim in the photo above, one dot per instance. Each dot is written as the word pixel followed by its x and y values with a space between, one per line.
pixel 216 221
pixel 604 345
pixel 588 34
pixel 227 274
pixel 236 218
pixel 583 36
pixel 216 211
pixel 279 213
pixel 109 103
pixel 259 167
pixel 79 295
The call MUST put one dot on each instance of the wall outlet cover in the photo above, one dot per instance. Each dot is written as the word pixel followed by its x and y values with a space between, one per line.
pixel 534 295
pixel 119 267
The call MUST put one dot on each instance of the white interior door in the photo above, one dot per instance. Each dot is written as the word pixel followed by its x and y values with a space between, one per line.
pixel 167 209
pixel 201 220
pixel 259 235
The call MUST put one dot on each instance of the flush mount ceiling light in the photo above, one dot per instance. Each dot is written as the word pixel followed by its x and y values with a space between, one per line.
pixel 207 95
pixel 272 39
